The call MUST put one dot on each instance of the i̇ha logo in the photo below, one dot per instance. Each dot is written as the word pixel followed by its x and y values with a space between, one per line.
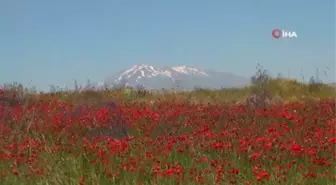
pixel 277 34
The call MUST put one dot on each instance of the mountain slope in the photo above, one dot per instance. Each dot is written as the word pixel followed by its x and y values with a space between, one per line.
pixel 177 77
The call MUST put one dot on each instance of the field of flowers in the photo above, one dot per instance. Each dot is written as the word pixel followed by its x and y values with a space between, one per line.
pixel 167 142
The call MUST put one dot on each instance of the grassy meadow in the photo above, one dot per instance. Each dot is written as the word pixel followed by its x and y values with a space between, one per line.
pixel 197 137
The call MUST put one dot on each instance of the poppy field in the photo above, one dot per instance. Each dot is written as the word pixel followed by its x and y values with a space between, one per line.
pixel 168 142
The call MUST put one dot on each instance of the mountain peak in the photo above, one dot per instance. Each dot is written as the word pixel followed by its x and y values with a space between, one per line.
pixel 140 71
pixel 157 78
pixel 141 66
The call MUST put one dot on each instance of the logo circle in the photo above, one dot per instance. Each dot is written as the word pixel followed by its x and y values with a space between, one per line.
pixel 276 33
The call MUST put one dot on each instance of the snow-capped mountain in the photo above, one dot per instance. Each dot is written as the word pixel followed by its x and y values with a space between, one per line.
pixel 177 77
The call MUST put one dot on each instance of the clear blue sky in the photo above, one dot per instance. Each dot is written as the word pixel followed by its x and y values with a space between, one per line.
pixel 54 42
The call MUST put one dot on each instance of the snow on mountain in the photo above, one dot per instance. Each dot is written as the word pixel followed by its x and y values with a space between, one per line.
pixel 171 77
pixel 143 71
pixel 188 70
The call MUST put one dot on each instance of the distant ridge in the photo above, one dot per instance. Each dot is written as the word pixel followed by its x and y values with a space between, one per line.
pixel 177 77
